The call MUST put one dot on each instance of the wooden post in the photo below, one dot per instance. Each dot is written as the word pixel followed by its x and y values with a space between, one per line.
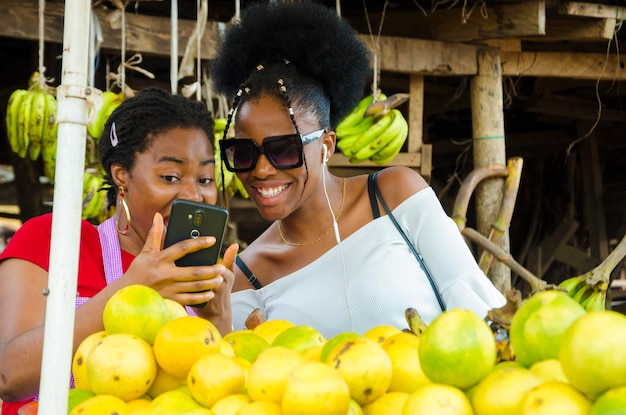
pixel 489 148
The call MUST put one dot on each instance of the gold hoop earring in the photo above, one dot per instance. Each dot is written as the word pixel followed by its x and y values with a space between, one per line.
pixel 120 206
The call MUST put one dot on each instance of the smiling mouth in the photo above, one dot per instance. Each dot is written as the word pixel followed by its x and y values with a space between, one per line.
pixel 271 191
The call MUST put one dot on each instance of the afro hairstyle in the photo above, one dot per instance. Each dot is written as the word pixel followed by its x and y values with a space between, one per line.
pixel 311 36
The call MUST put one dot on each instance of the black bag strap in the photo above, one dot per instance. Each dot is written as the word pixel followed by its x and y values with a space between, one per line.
pixel 249 275
pixel 372 179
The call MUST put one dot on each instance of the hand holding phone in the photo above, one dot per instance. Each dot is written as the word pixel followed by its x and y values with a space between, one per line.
pixel 191 220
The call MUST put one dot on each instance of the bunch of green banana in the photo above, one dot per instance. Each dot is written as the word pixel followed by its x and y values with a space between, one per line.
pixel 110 101
pixel 592 297
pixel 31 119
pixel 94 197
pixel 232 184
pixel 378 137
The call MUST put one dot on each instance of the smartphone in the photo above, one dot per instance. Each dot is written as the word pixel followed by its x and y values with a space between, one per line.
pixel 191 220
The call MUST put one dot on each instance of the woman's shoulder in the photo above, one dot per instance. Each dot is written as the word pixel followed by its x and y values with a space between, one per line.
pixel 398 183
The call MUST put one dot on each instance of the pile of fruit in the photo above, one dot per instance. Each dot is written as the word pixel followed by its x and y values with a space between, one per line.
pixel 373 130
pixel 152 358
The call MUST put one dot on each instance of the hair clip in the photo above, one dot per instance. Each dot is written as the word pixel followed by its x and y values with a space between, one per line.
pixel 260 67
pixel 113 135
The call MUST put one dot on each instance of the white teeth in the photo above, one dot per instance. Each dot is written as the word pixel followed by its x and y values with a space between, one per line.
pixel 265 192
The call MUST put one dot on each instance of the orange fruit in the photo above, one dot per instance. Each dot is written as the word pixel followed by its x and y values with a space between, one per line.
pixel 101 405
pixel 406 373
pixel 549 369
pixel 365 367
pixel 503 390
pixel 611 402
pixel 388 403
pixel 315 388
pixel 269 329
pixel 229 405
pixel 164 382
pixel 182 341
pixel 246 344
pixel 76 396
pixel 457 348
pixel 268 374
pixel 592 352
pixel 121 365
pixel 135 309
pixel 439 399
pixel 554 397
pixel 174 402
pixel 539 324
pixel 381 333
pixel 299 338
pixel 261 408
pixel 79 361
pixel 334 341
pixel 176 309
pixel 214 376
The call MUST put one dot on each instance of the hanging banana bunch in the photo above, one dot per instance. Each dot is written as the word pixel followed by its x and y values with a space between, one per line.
pixel 110 101
pixel 95 204
pixel 375 130
pixel 31 122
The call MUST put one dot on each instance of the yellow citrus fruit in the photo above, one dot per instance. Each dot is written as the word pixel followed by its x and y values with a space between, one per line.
pixel 299 338
pixel 101 405
pixel 182 341
pixel 611 402
pixel 538 325
pixel 313 353
pixel 365 367
pixel 261 408
pixel 76 396
pixel 139 403
pixel 439 399
pixel 164 382
pixel 592 352
pixel 214 376
pixel 269 329
pixel 334 341
pixel 226 348
pixel 229 405
pixel 122 365
pixel 268 374
pixel 406 372
pixel 355 408
pixel 503 390
pixel 549 369
pixel 174 402
pixel 388 403
pixel 554 397
pixel 146 411
pixel 136 309
pixel 79 361
pixel 315 388
pixel 199 411
pixel 381 333
pixel 246 344
pixel 176 309
pixel 457 348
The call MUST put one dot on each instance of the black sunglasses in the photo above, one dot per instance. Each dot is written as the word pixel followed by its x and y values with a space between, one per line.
pixel 282 151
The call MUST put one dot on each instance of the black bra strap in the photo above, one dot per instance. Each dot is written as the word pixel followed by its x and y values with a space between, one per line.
pixel 371 185
pixel 249 275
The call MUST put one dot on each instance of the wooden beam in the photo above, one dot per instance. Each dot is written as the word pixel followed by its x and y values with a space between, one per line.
pixel 508 20
pixel 144 34
pixel 416 114
pixel 576 29
pixel 573 108
pixel 594 66
pixel 575 258
pixel 424 57
pixel 603 11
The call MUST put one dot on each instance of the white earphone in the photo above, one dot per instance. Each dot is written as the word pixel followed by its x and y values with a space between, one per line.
pixel 325 157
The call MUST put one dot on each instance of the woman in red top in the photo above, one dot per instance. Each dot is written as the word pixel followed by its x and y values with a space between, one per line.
pixel 156 148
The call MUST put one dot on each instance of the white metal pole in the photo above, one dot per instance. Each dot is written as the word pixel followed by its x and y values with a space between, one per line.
pixel 174 47
pixel 72 121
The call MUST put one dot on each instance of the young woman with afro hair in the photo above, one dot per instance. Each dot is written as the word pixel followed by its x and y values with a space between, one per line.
pixel 331 258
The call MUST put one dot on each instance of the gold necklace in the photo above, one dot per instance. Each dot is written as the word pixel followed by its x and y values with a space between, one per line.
pixel 280 231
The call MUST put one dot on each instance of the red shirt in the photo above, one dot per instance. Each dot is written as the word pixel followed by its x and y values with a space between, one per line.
pixel 31 242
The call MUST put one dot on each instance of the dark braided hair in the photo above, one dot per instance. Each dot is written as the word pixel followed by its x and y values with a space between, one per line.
pixel 322 63
pixel 138 120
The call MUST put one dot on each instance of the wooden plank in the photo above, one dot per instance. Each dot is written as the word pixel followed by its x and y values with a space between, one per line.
pixel 576 29
pixel 592 66
pixel 416 113
pixel 593 191
pixel 425 57
pixel 573 108
pixel 551 244
pixel 496 21
pixel 603 11
pixel 575 258
pixel 145 34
